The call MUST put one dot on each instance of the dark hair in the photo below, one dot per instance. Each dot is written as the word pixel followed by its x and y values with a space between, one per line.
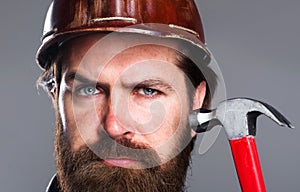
pixel 50 78
pixel 195 74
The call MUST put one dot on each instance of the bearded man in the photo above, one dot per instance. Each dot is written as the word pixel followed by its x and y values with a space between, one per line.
pixel 123 77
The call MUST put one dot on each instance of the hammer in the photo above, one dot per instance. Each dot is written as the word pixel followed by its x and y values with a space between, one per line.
pixel 238 117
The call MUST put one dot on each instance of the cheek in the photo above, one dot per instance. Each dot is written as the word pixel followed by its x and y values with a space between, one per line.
pixel 173 123
pixel 172 136
pixel 147 115
pixel 79 123
pixel 158 120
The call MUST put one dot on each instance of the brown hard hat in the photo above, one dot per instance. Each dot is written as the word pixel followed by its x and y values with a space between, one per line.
pixel 65 19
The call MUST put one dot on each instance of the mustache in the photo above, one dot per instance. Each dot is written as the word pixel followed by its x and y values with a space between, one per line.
pixel 109 148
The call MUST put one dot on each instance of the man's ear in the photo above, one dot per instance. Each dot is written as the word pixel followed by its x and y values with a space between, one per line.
pixel 53 89
pixel 199 95
pixel 53 92
pixel 198 99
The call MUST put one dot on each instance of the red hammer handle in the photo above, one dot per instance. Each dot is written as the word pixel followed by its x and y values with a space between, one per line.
pixel 247 164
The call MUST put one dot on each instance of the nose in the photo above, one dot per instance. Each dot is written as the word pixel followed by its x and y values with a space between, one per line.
pixel 114 128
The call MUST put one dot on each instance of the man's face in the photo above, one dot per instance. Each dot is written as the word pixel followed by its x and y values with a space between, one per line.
pixel 128 104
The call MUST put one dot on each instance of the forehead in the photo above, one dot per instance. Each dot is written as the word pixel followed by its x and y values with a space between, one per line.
pixel 104 47
pixel 125 56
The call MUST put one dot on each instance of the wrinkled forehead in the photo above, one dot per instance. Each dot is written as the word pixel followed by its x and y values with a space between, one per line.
pixel 104 47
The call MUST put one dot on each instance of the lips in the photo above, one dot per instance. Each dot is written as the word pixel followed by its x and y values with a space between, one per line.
pixel 122 162
pixel 122 153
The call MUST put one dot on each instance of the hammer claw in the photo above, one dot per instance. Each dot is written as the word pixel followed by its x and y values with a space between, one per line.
pixel 275 115
pixel 240 113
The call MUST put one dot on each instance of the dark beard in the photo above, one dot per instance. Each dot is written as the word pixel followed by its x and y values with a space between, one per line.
pixel 83 171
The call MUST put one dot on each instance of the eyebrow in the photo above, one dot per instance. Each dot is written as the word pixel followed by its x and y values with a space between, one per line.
pixel 155 83
pixel 70 77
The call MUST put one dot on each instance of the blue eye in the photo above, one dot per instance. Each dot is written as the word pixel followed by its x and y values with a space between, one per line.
pixel 147 91
pixel 88 91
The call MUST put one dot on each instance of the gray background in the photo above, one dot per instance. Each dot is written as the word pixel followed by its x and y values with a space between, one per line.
pixel 257 46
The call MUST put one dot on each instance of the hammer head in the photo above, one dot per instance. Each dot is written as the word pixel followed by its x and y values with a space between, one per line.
pixel 238 117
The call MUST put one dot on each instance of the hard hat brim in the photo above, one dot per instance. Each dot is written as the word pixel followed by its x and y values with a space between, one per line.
pixel 51 43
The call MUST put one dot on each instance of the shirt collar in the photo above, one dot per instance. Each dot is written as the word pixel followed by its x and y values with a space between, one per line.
pixel 53 185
